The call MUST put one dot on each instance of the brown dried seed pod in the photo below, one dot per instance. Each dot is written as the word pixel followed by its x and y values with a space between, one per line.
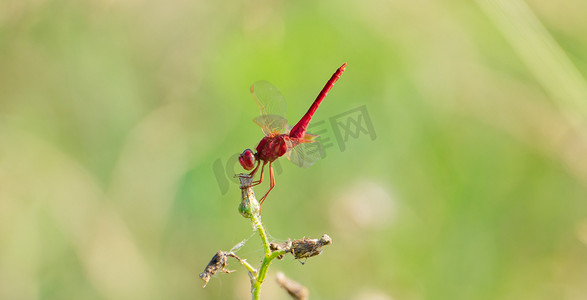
pixel 304 248
pixel 218 263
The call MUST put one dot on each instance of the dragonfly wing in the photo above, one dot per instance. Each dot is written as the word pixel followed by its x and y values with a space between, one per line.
pixel 271 107
pixel 272 124
pixel 305 154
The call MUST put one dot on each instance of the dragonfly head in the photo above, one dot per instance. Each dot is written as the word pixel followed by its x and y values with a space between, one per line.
pixel 247 159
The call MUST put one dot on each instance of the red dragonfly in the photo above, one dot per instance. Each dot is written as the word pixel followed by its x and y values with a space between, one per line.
pixel 298 146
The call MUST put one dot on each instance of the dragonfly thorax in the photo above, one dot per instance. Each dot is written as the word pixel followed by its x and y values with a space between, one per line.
pixel 272 147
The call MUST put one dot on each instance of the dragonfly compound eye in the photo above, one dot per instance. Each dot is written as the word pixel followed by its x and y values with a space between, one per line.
pixel 247 159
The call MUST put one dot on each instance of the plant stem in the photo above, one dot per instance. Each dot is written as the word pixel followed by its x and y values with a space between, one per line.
pixel 250 208
pixel 256 288
pixel 245 264
pixel 256 285
pixel 256 219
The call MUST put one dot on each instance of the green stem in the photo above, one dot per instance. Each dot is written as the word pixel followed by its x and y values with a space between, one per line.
pixel 256 219
pixel 250 208
pixel 249 267
pixel 245 264
pixel 256 288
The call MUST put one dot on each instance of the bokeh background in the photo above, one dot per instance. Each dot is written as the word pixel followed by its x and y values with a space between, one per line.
pixel 117 119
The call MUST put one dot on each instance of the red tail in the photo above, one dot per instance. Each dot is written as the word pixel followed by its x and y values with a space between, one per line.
pixel 299 130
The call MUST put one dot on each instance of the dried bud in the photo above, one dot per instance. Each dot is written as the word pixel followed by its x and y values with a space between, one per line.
pixel 304 248
pixel 249 205
pixel 217 263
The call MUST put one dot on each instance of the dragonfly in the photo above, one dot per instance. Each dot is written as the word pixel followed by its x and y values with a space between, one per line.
pixel 280 139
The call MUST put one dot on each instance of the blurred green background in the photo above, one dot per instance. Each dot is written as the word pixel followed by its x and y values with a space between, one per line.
pixel 115 115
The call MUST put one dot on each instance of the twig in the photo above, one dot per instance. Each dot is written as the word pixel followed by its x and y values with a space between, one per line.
pixel 293 288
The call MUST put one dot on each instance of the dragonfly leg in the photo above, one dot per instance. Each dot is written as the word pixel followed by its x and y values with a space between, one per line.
pixel 255 170
pixel 271 183
pixel 261 177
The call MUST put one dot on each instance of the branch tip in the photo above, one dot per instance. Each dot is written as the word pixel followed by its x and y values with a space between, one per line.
pixel 249 205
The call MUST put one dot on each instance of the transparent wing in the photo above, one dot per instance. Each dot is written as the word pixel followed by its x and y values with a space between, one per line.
pixel 271 107
pixel 304 154
pixel 272 124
